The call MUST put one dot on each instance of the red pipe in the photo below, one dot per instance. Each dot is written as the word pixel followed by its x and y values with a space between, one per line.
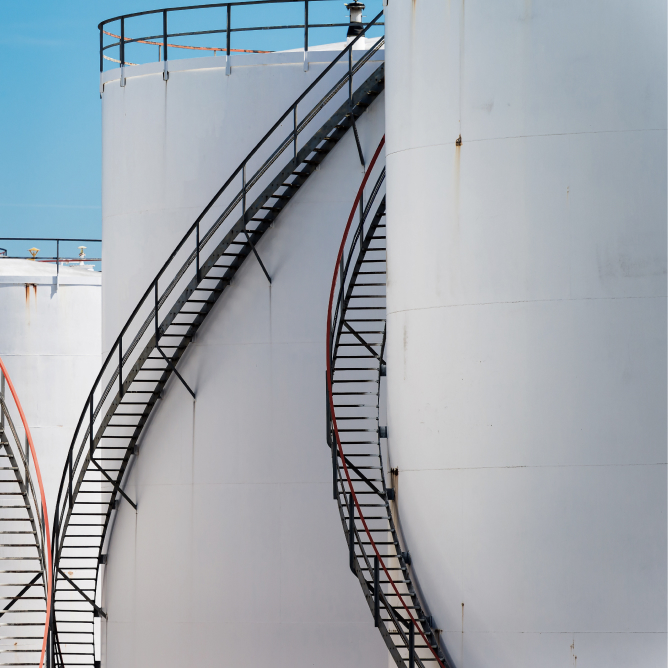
pixel 44 511
pixel 331 399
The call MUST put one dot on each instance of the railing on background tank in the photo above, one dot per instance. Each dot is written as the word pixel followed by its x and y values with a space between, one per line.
pixel 160 39
pixel 57 258
pixel 221 232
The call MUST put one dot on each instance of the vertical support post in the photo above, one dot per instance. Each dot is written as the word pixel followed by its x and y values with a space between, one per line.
pixel 101 50
pixel 376 591
pixel 120 366
pixel 331 440
pixel 69 468
pixel 351 532
pixel 122 53
pixel 243 193
pixel 27 461
pixel 157 328
pixel 305 35
pixel 341 291
pixel 90 431
pixel 197 251
pixel 2 394
pixel 411 645
pixel 335 470
pixel 228 67
pixel 362 221
pixel 57 260
pixel 165 71
pixel 294 134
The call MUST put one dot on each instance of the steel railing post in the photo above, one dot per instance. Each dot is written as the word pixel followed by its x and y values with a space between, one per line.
pixel 197 251
pixel 120 366
pixel 57 260
pixel 157 328
pixel 294 134
pixel 101 50
pixel 2 394
pixel 69 466
pixel 411 645
pixel 305 35
pixel 351 532
pixel 165 71
pixel 122 51
pixel 228 67
pixel 376 591
pixel 90 431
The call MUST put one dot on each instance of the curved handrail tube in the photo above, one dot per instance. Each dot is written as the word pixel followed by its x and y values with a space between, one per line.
pixel 211 6
pixel 194 227
pixel 45 515
pixel 332 411
pixel 163 45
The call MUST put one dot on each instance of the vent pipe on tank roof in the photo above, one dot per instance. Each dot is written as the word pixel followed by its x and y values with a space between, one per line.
pixel 355 27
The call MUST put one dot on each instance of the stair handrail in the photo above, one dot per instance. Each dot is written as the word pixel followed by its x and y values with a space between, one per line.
pixel 338 273
pixel 45 515
pixel 90 411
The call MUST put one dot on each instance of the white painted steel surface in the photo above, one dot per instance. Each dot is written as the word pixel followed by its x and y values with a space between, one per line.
pixel 167 147
pixel 50 341
pixel 527 324
pixel 236 554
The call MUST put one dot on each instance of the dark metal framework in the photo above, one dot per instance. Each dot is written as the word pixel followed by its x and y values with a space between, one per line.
pixel 227 30
pixel 355 366
pixel 146 353
pixel 23 551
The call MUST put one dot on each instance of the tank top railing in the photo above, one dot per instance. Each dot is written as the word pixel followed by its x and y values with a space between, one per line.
pixel 232 24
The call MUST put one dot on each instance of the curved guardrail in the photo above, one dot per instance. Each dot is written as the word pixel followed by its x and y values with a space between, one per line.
pixel 25 561
pixel 120 27
pixel 355 366
pixel 144 357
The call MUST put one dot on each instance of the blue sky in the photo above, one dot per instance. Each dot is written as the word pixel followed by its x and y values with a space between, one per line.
pixel 50 111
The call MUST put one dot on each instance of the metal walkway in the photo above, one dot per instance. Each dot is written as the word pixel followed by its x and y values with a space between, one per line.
pixel 145 356
pixel 355 367
pixel 24 554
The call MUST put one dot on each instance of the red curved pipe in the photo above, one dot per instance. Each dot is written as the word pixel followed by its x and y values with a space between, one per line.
pixel 44 511
pixel 331 398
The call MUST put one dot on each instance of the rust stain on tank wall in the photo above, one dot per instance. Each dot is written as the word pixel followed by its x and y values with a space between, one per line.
pixel 34 288
pixel 456 175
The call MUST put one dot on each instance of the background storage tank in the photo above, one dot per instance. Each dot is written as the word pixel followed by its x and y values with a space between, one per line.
pixel 50 342
pixel 526 162
pixel 234 554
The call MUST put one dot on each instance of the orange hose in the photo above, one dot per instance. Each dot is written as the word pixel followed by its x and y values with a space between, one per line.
pixel 44 511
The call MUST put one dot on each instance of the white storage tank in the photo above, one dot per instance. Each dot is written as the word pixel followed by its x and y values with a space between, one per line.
pixel 236 552
pixel 526 340
pixel 50 340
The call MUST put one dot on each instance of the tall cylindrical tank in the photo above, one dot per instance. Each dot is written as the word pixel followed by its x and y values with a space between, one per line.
pixel 526 160
pixel 235 554
pixel 50 341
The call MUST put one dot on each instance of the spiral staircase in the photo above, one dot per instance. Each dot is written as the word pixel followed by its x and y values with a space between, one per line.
pixel 355 368
pixel 24 554
pixel 144 360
